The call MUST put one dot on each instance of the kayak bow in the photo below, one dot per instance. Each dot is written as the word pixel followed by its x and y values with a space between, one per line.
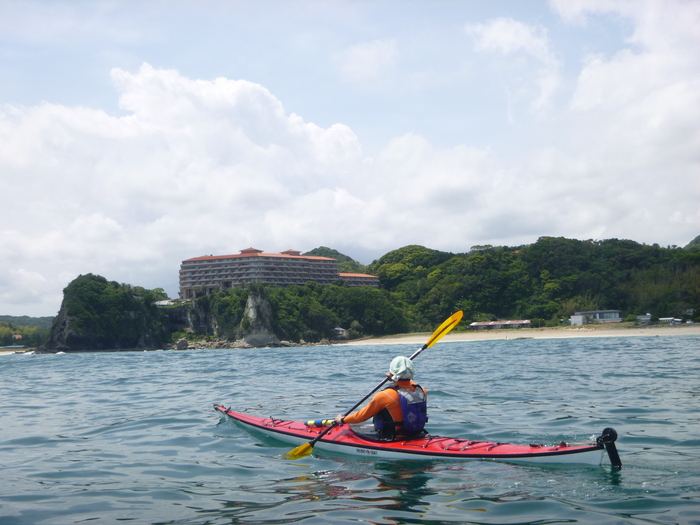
pixel 347 439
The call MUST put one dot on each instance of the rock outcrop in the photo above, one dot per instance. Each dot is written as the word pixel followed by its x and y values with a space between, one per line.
pixel 257 322
pixel 98 315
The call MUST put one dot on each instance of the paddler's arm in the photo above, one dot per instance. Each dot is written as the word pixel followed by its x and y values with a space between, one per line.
pixel 378 402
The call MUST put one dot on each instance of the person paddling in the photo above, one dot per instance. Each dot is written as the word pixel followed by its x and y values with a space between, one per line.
pixel 400 410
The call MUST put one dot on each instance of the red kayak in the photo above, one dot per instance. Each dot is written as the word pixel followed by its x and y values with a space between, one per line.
pixel 350 439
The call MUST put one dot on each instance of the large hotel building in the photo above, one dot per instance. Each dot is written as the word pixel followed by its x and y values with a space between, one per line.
pixel 213 273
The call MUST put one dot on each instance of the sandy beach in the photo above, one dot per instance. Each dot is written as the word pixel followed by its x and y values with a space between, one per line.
pixel 599 330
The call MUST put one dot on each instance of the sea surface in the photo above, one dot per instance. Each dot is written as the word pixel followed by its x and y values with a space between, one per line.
pixel 132 436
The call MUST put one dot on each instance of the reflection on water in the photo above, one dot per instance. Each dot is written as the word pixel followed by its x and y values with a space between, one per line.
pixel 389 491
pixel 379 487
pixel 408 480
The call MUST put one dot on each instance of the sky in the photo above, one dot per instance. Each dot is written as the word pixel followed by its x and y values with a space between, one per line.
pixel 137 134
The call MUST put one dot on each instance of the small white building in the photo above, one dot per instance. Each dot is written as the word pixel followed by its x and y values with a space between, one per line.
pixel 596 316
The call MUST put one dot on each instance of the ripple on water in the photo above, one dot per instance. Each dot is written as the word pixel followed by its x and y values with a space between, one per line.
pixel 132 436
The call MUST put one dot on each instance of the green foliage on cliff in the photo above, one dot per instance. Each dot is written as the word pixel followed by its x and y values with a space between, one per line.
pixel 105 314
pixel 311 312
pixel 224 310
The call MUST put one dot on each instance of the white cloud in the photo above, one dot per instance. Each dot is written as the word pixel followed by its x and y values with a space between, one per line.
pixel 369 62
pixel 511 36
pixel 508 36
pixel 648 93
pixel 196 160
pixel 188 167
pixel 26 289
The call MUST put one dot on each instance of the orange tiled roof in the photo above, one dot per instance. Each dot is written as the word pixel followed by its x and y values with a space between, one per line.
pixel 252 252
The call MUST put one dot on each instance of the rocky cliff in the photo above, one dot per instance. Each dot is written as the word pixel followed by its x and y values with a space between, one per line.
pixel 98 315
pixel 256 326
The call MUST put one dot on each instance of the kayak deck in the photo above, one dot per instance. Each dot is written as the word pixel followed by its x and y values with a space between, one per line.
pixel 344 439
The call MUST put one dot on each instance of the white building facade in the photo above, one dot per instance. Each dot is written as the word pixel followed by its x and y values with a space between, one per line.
pixel 596 316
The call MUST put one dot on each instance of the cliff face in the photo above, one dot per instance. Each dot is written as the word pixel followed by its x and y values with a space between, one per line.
pixel 256 325
pixel 97 315
pixel 64 338
pixel 254 329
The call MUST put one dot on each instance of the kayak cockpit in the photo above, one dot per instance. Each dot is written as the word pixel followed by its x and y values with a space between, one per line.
pixel 369 433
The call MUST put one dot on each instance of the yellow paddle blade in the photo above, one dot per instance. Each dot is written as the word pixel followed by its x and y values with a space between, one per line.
pixel 444 328
pixel 300 452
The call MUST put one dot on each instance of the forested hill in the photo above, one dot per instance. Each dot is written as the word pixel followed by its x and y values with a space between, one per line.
pixel 345 263
pixel 694 245
pixel 26 331
pixel 33 322
pixel 549 279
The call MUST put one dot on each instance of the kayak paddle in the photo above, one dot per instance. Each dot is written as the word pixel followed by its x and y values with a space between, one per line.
pixel 306 449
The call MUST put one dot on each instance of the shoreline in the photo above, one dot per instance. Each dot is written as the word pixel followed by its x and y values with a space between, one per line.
pixel 560 332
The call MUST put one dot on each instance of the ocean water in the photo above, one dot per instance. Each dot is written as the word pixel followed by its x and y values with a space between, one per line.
pixel 132 436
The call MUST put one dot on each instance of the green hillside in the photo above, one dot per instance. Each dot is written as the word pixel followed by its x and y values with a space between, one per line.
pixel 694 244
pixel 33 322
pixel 24 330
pixel 549 279
pixel 345 263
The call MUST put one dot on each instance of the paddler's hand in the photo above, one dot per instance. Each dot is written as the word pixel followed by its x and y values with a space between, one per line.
pixel 338 420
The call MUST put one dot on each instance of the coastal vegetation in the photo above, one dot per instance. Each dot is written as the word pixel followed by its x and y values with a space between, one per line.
pixel 13 334
pixel 24 330
pixel 310 312
pixel 25 320
pixel 546 282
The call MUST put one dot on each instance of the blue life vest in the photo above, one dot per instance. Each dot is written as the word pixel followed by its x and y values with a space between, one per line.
pixel 414 408
pixel 414 414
